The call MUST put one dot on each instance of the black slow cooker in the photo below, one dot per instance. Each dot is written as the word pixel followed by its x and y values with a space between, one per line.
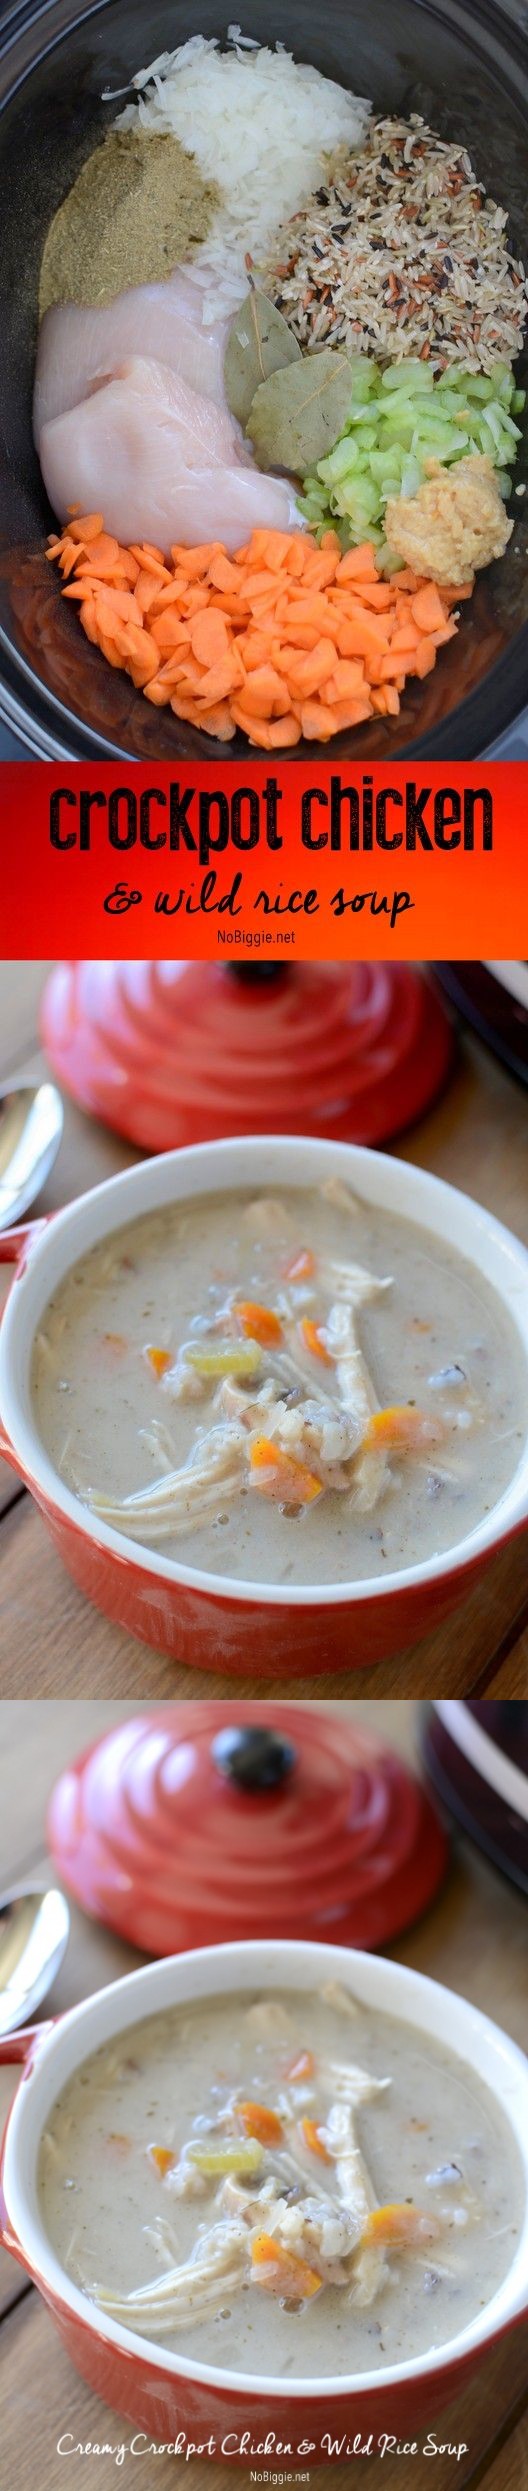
pixel 461 63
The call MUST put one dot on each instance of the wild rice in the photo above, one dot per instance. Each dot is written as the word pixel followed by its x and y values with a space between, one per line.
pixel 401 253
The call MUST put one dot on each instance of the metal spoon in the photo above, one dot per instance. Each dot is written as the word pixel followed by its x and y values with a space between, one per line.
pixel 31 1122
pixel 34 1931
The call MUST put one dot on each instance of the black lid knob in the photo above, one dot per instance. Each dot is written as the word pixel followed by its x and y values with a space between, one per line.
pixel 261 972
pixel 253 1758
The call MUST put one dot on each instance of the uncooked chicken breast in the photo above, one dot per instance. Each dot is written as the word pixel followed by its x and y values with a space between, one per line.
pixel 78 346
pixel 161 462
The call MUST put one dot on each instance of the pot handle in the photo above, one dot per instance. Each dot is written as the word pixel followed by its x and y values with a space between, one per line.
pixel 14 2047
pixel 16 1245
pixel 24 2044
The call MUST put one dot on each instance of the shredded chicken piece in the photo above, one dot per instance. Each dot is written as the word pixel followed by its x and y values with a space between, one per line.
pixel 339 1195
pixel 355 1288
pixel 183 1382
pixel 269 2020
pixel 336 1996
pixel 185 2179
pixel 351 2086
pixel 268 1218
pixel 187 2292
pixel 184 1498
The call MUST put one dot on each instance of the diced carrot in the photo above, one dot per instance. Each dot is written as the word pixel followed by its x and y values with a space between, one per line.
pixel 196 560
pixel 377 595
pixel 427 609
pixel 260 2122
pixel 403 1427
pixel 425 658
pixel 83 530
pixel 259 1322
pixel 285 638
pixel 301 1265
pixel 346 681
pixel 359 564
pixel 266 694
pixel 280 2271
pixel 400 2226
pixel 158 693
pixel 313 1340
pixel 162 2158
pixel 314 2140
pixel 309 670
pixel 281 1477
pixel 301 2067
pixel 218 722
pixel 221 680
pixel 296 558
pixel 320 569
pixel 89 621
pixel 317 722
pixel 405 639
pixel 159 1359
pixel 359 634
pixel 147 592
pixel 150 561
pixel 270 732
pixel 168 631
pixel 209 637
pixel 351 713
pixel 389 667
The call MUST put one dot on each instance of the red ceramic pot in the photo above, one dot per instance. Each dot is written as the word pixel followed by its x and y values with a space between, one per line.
pixel 283 1631
pixel 161 2393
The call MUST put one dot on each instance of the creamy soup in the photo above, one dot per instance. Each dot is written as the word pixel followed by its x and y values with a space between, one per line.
pixel 309 2188
pixel 294 1388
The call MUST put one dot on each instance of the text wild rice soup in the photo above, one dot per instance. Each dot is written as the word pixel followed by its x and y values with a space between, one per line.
pixel 304 2189
pixel 288 1389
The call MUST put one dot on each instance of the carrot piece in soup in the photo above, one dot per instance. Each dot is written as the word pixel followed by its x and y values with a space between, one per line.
pixel 313 1340
pixel 259 1322
pixel 280 2271
pixel 400 2226
pixel 162 2158
pixel 260 2122
pixel 159 1359
pixel 301 1265
pixel 403 1428
pixel 314 2140
pixel 280 1477
pixel 301 2068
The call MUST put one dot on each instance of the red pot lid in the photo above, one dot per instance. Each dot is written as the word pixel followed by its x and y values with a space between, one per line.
pixel 202 1822
pixel 170 1052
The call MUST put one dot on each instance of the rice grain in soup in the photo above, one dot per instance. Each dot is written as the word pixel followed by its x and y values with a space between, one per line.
pixel 288 1389
pixel 302 2188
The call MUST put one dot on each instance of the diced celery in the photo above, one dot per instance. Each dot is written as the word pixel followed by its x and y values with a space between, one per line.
pixel 410 374
pixel 399 419
pixel 226 1360
pixel 218 2158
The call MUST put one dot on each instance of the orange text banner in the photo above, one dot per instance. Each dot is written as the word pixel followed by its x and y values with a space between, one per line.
pixel 214 860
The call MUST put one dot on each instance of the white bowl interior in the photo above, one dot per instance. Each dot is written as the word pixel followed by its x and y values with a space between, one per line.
pixel 374 1980
pixel 389 1184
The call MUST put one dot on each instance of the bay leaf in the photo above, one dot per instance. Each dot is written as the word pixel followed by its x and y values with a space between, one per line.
pixel 259 343
pixel 299 412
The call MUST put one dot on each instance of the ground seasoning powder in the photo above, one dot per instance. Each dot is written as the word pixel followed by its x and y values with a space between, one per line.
pixel 139 206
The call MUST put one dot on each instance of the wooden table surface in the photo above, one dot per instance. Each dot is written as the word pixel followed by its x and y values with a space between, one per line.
pixel 476 1137
pixel 473 1939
